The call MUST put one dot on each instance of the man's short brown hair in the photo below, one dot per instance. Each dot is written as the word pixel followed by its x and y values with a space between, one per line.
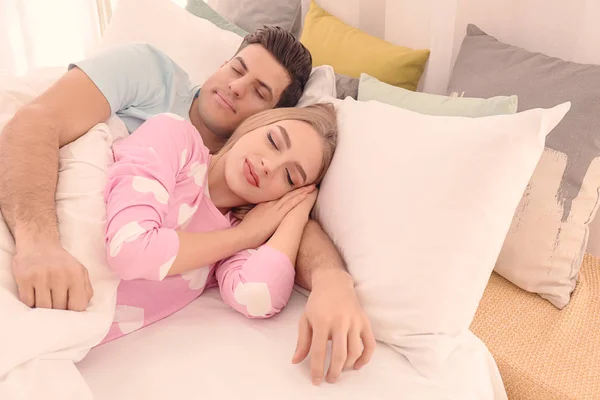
pixel 290 53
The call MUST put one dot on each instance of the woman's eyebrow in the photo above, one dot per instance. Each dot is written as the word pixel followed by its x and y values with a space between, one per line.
pixel 302 172
pixel 288 143
pixel 286 137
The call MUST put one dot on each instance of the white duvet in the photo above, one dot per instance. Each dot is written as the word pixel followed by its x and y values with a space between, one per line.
pixel 41 351
pixel 38 347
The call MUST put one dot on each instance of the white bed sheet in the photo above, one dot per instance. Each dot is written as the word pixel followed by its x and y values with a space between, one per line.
pixel 209 351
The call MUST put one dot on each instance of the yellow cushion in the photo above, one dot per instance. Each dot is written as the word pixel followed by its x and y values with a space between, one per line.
pixel 350 51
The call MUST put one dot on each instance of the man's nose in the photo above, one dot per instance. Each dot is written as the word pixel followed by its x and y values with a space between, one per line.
pixel 238 87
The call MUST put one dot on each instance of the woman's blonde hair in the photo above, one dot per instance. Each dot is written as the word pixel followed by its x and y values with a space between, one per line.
pixel 321 117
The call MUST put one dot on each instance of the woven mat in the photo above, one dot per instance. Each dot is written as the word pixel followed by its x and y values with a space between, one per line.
pixel 542 352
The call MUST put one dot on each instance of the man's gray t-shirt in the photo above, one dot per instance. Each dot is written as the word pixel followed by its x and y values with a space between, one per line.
pixel 140 81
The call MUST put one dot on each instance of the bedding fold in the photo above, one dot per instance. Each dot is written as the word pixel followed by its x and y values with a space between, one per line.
pixel 39 347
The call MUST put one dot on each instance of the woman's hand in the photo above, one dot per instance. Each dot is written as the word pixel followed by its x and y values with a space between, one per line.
pixel 300 213
pixel 264 219
pixel 289 233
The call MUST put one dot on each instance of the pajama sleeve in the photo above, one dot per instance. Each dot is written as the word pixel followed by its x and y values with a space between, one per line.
pixel 140 183
pixel 257 283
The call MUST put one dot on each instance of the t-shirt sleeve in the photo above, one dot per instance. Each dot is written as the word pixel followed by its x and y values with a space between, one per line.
pixel 131 75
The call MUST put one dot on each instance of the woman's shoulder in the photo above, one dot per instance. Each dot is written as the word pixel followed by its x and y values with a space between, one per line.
pixel 176 124
pixel 184 133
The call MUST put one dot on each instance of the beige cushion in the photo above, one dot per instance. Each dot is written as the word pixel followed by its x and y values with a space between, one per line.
pixel 542 352
pixel 546 243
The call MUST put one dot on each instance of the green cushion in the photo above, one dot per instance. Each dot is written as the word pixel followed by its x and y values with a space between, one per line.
pixel 370 88
pixel 202 10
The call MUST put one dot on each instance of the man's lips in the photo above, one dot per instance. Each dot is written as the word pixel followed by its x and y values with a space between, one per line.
pixel 250 174
pixel 224 100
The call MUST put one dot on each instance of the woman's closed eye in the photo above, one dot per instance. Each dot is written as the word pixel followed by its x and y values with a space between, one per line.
pixel 287 175
pixel 289 178
pixel 270 137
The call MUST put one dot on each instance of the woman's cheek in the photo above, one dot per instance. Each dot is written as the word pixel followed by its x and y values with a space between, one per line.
pixel 275 192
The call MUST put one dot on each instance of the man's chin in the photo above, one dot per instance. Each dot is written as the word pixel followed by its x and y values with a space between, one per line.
pixel 218 124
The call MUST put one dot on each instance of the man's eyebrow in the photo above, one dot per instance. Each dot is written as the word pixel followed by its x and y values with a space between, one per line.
pixel 285 135
pixel 261 83
pixel 241 60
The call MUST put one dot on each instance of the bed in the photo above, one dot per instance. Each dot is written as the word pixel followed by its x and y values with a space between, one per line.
pixel 206 349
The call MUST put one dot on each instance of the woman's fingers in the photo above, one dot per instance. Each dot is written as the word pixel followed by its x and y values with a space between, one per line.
pixel 291 203
pixel 291 195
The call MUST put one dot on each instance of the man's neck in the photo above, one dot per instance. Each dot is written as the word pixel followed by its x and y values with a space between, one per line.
pixel 210 140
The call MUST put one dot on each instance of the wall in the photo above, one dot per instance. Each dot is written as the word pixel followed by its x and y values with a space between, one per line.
pixel 568 31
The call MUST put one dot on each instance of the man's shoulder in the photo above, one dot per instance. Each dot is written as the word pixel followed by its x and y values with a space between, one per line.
pixel 145 50
pixel 133 55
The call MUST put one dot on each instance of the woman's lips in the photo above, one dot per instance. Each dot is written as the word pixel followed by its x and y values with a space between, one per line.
pixel 250 174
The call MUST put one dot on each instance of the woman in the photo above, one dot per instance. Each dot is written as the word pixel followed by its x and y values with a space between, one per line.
pixel 172 229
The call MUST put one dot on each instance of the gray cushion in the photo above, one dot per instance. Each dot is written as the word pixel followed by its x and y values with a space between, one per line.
pixel 346 86
pixel 550 230
pixel 251 15
pixel 202 10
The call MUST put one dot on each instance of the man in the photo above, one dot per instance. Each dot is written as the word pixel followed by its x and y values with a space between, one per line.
pixel 135 82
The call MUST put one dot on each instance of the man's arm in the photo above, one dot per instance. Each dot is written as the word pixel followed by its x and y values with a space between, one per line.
pixel 47 276
pixel 333 311
pixel 316 252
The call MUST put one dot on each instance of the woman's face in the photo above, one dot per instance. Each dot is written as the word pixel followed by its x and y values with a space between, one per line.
pixel 272 160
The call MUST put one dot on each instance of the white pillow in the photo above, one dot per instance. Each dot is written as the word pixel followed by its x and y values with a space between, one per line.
pixel 196 44
pixel 419 207
pixel 320 86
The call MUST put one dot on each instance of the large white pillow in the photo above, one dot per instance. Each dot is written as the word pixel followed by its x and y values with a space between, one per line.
pixel 196 44
pixel 419 207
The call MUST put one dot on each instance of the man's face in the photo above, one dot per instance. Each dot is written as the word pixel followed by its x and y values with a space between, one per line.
pixel 251 82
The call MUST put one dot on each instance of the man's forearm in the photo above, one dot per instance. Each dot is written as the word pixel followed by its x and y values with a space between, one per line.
pixel 317 253
pixel 29 165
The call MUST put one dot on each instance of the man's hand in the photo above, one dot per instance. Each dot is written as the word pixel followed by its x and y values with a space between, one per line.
pixel 334 313
pixel 49 277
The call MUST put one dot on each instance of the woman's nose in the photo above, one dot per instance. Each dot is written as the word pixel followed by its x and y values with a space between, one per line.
pixel 266 166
